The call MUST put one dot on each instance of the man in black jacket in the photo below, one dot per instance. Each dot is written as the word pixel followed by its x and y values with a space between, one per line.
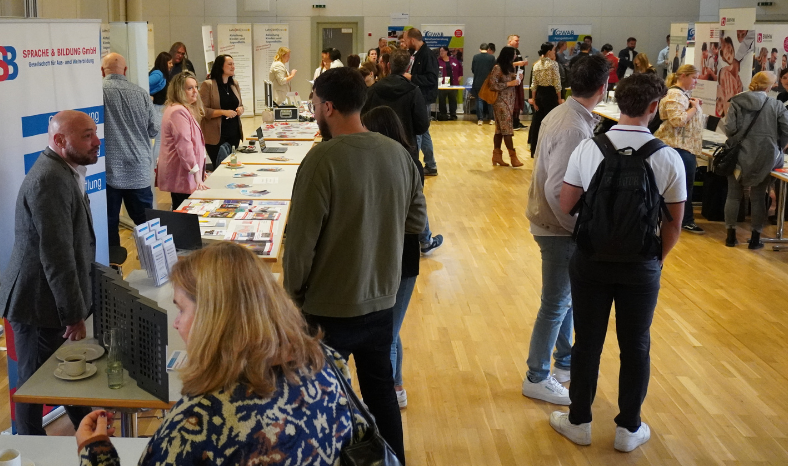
pixel 626 58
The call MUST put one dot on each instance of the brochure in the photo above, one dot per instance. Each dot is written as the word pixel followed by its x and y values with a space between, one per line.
pixel 266 215
pixel 254 192
pixel 170 252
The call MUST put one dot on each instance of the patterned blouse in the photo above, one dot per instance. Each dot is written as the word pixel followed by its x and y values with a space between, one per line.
pixel 306 423
pixel 677 129
pixel 546 73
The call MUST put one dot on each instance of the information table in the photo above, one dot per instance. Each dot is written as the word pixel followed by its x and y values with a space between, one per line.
pixel 296 151
pixel 62 451
pixel 279 184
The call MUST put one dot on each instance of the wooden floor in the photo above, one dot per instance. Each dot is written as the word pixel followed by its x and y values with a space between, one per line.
pixel 719 383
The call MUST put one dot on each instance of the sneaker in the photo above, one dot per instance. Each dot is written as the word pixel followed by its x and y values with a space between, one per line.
pixel 402 398
pixel 561 375
pixel 580 433
pixel 548 390
pixel 627 441
pixel 492 122
pixel 435 243
pixel 518 127
pixel 480 122
pixel 692 228
pixel 430 171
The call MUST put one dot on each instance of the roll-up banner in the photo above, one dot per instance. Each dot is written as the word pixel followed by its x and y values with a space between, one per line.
pixel 448 35
pixel 737 42
pixel 46 67
pixel 207 45
pixel 677 51
pixel 130 39
pixel 771 41
pixel 707 61
pixel 236 40
pixel 572 34
pixel 151 47
pixel 267 40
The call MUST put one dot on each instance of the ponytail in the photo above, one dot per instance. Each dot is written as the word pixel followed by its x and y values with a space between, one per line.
pixel 672 79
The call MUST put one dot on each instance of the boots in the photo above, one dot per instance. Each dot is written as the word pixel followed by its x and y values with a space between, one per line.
pixel 497 158
pixel 513 156
pixel 755 241
pixel 731 241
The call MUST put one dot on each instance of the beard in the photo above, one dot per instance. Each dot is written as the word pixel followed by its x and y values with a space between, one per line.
pixel 82 158
pixel 325 132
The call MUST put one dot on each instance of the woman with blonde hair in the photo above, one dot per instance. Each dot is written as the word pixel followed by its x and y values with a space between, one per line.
pixel 181 166
pixel 256 385
pixel 279 76
pixel 643 65
pixel 760 152
pixel 682 129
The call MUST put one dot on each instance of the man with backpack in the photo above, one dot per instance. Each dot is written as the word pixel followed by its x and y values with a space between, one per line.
pixel 630 196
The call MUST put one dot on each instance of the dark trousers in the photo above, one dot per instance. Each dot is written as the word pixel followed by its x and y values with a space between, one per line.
pixel 451 96
pixel 690 165
pixel 178 198
pixel 634 287
pixel 368 338
pixel 136 200
pixel 34 345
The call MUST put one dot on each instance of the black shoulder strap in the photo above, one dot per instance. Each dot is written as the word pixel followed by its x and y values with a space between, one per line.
pixel 744 135
pixel 605 145
pixel 650 147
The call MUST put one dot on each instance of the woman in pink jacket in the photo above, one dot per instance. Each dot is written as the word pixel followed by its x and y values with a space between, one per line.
pixel 181 167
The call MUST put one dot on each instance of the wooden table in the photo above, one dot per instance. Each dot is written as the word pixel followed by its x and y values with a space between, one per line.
pixel 62 451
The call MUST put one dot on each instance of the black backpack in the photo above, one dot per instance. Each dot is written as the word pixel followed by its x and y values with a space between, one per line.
pixel 621 212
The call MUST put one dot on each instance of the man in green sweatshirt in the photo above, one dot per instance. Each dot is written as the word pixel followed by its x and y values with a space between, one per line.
pixel 355 197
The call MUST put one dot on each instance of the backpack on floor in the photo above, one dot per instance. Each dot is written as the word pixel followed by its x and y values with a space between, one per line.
pixel 621 212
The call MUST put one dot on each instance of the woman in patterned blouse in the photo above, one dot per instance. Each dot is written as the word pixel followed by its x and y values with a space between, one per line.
pixel 503 79
pixel 257 388
pixel 545 89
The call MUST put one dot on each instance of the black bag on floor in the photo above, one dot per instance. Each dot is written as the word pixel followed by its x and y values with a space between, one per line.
pixel 715 191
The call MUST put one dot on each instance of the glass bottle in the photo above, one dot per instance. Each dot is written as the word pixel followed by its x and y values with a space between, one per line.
pixel 112 340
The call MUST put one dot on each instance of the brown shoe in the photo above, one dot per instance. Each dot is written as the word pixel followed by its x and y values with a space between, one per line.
pixel 497 158
pixel 513 156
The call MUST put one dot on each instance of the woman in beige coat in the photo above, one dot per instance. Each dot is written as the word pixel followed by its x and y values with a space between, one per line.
pixel 278 75
pixel 221 97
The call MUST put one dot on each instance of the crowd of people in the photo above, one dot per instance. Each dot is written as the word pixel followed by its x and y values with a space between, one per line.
pixel 255 346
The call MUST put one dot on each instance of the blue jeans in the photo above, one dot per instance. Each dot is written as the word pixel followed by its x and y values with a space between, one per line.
pixel 405 291
pixel 136 200
pixel 690 165
pixel 424 141
pixel 553 325
pixel 425 237
pixel 483 109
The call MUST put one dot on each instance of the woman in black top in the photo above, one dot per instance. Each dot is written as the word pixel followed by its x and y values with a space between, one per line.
pixel 221 97
pixel 783 96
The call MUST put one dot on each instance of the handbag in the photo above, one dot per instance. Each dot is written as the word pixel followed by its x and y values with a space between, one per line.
pixel 726 157
pixel 486 93
pixel 372 450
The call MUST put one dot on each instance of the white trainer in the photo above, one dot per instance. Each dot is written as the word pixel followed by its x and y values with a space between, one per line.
pixel 402 398
pixel 548 390
pixel 579 434
pixel 561 375
pixel 627 441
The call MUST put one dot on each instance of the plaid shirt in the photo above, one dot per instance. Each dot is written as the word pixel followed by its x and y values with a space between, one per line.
pixel 130 122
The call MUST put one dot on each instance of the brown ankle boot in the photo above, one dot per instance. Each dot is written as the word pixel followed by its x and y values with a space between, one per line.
pixel 497 158
pixel 513 156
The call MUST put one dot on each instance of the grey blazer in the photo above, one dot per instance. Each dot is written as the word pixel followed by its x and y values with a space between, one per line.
pixel 47 282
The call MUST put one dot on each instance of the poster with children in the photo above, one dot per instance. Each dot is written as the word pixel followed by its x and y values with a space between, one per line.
pixel 734 67
pixel 771 53
pixel 707 61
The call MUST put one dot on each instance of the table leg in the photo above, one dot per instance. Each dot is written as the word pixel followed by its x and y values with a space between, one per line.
pixel 780 218
pixel 128 423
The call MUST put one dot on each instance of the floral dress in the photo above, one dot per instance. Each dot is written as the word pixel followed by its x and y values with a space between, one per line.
pixel 503 108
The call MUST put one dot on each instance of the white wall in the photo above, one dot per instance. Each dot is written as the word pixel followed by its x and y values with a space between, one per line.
pixel 709 9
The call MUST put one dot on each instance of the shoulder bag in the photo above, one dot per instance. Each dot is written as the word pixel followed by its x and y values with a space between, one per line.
pixel 372 450
pixel 726 157
pixel 486 93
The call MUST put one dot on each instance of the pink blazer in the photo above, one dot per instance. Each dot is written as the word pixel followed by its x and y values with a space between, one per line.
pixel 182 147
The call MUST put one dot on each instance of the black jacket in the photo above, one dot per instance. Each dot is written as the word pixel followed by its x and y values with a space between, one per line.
pixel 425 73
pixel 624 62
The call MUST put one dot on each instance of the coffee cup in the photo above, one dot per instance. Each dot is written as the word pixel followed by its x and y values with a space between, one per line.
pixel 10 457
pixel 73 366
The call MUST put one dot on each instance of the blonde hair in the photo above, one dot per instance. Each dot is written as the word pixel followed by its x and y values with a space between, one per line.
pixel 684 70
pixel 762 81
pixel 245 328
pixel 281 53
pixel 176 94
pixel 641 63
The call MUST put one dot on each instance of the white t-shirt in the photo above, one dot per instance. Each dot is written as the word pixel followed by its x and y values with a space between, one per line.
pixel 666 162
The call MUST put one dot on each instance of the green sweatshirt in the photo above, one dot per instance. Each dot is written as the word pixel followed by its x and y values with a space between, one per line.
pixel 354 199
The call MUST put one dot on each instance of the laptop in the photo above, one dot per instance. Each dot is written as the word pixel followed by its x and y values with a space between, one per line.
pixel 268 150
pixel 184 228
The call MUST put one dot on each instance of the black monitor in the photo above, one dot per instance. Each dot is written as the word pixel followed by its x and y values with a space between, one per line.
pixel 184 228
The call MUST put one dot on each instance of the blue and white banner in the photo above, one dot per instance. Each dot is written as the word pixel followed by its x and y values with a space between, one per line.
pixel 45 67
pixel 572 34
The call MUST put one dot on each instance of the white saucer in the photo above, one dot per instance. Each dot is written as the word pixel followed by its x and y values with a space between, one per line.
pixel 27 462
pixel 90 369
pixel 89 350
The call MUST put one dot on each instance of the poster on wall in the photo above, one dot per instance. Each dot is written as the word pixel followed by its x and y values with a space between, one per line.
pixel 267 40
pixel 394 35
pixel 445 35
pixel 677 50
pixel 770 41
pixel 691 34
pixel 572 34
pixel 707 61
pixel 734 67
pixel 209 51
pixel 236 40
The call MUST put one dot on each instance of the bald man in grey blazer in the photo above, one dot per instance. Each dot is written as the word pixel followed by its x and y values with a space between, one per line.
pixel 45 291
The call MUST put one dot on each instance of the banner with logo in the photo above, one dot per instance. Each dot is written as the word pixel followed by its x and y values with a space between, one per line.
pixel 691 34
pixel 737 42
pixel 572 34
pixel 771 49
pixel 236 40
pixel 267 40
pixel 46 66
pixel 207 45
pixel 445 35
pixel 707 61
pixel 677 50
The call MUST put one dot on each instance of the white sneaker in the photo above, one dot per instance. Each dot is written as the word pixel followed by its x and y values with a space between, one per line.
pixel 548 390
pixel 492 122
pixel 579 434
pixel 480 122
pixel 627 441
pixel 561 375
pixel 402 398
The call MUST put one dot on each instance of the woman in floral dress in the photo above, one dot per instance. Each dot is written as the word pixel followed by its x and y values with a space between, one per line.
pixel 504 79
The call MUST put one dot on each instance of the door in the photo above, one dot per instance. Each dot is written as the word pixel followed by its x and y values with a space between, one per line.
pixel 342 36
